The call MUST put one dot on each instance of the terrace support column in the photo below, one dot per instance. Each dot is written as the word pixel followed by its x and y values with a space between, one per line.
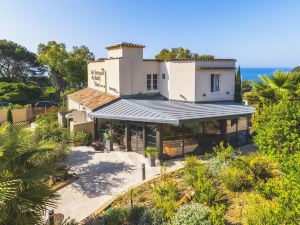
pixel 159 146
pixel 182 139
pixel 127 137
pixel 248 130
pixel 224 131
pixel 96 128
pixel 144 135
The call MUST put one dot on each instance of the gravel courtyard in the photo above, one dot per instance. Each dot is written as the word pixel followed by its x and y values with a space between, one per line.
pixel 102 176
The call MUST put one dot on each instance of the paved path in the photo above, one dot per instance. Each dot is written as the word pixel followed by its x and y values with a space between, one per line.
pixel 101 176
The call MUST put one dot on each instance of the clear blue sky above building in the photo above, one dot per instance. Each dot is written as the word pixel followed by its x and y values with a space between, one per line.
pixel 258 33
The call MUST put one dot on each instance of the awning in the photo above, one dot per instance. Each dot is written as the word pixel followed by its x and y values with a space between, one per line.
pixel 91 99
pixel 171 112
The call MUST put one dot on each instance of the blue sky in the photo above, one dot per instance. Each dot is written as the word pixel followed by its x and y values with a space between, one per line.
pixel 258 33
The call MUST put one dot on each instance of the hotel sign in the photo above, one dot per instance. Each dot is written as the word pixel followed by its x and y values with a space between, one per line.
pixel 99 78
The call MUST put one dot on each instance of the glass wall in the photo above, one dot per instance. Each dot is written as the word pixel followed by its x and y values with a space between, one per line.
pixel 118 128
pixel 242 131
pixel 150 135
pixel 102 126
pixel 231 128
pixel 193 131
pixel 136 137
pixel 172 140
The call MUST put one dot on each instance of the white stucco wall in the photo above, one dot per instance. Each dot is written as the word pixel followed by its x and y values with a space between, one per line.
pixel 112 70
pixel 72 105
pixel 115 53
pixel 164 86
pixel 203 85
pixel 182 80
pixel 127 75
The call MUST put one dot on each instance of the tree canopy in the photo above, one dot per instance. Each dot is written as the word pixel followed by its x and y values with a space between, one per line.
pixel 65 69
pixel 19 92
pixel 271 89
pixel 296 69
pixel 238 86
pixel 17 63
pixel 180 53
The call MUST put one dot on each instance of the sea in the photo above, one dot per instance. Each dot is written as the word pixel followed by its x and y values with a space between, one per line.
pixel 253 73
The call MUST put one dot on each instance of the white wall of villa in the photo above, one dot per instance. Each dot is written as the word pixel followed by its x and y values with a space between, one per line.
pixel 124 72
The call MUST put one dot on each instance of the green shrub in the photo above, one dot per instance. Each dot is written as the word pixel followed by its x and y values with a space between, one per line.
pixel 196 174
pixel 263 167
pixel 166 196
pixel 260 211
pixel 236 179
pixel 223 152
pixel 153 217
pixel 193 214
pixel 217 215
pixel 216 166
pixel 12 106
pixel 191 166
pixel 122 215
pixel 270 188
pixel 205 192
pixel 48 129
pixel 278 128
pixel 69 221
pixel 116 216
pixel 82 138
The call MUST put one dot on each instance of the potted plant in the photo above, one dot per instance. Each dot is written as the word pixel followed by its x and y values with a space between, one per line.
pixel 151 152
pixel 107 136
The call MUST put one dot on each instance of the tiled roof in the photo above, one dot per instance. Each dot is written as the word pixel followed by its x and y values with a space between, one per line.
pixel 91 98
pixel 210 68
pixel 125 44
pixel 172 112
pixel 207 60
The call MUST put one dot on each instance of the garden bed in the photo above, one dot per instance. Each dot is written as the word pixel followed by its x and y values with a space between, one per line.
pixel 226 189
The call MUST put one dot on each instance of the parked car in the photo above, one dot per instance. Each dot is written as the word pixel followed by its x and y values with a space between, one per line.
pixel 47 104
pixel 3 104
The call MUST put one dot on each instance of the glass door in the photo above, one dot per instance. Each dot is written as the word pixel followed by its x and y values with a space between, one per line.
pixel 137 140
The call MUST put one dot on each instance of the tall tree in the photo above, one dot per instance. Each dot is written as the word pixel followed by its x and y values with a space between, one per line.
pixel 65 69
pixel 17 63
pixel 180 53
pixel 238 86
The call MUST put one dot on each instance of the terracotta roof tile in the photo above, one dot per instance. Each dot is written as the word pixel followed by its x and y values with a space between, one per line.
pixel 207 68
pixel 91 99
pixel 208 60
pixel 125 44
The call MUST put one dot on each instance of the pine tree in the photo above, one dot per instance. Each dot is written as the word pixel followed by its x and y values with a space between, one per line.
pixel 238 86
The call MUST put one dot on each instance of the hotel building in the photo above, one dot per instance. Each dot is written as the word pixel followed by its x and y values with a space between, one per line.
pixel 180 106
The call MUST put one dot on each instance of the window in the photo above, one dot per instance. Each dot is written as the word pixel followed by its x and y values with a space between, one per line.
pixel 215 82
pixel 163 76
pixel 149 82
pixel 152 82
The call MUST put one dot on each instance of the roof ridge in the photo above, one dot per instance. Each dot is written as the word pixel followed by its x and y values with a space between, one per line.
pixel 145 107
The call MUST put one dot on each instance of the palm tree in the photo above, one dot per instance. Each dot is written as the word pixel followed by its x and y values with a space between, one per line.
pixel 270 89
pixel 24 166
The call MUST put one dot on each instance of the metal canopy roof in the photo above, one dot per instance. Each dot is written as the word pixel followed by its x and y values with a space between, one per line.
pixel 171 112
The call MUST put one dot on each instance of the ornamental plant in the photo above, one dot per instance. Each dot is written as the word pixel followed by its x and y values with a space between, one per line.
pixel 193 214
pixel 151 151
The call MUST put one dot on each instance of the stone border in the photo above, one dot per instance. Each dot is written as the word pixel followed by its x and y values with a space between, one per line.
pixel 65 183
pixel 109 202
